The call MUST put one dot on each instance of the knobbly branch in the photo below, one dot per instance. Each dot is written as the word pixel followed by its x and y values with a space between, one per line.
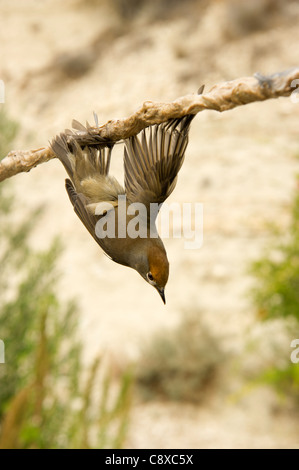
pixel 221 97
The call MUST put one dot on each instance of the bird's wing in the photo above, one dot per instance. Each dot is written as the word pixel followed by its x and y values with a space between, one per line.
pixel 153 159
pixel 80 204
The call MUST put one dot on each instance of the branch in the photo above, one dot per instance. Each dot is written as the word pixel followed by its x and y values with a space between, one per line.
pixel 221 97
pixel 18 161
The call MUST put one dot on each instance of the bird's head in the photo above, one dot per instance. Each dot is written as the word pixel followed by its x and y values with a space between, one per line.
pixel 153 266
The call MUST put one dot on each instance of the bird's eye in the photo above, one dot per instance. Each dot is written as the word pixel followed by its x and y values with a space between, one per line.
pixel 150 276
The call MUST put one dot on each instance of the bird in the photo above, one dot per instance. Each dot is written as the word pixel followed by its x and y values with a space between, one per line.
pixel 152 160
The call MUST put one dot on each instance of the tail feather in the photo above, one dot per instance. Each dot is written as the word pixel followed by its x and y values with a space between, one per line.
pixel 81 163
pixel 59 146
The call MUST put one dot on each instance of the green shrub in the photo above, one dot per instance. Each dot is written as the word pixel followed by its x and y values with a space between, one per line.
pixel 276 291
pixel 285 380
pixel 276 295
pixel 47 397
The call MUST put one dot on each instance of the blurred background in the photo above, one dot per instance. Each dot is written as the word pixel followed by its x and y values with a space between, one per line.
pixel 92 356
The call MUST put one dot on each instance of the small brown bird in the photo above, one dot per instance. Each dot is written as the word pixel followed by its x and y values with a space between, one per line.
pixel 151 164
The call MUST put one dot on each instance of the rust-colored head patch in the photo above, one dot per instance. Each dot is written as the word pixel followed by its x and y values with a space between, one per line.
pixel 158 265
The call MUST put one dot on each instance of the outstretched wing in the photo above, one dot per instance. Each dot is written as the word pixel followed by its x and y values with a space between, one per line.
pixel 153 159
pixel 80 204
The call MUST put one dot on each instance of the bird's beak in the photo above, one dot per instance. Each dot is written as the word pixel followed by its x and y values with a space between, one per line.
pixel 162 293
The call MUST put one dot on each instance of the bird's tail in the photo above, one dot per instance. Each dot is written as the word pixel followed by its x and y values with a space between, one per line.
pixel 81 163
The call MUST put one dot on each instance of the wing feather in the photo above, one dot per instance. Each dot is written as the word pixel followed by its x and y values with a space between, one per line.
pixel 79 202
pixel 153 160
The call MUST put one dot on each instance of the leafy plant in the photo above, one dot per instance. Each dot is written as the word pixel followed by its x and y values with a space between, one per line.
pixel 46 401
pixel 276 295
pixel 276 290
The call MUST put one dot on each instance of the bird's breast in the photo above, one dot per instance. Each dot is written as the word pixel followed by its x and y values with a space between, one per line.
pixel 121 229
